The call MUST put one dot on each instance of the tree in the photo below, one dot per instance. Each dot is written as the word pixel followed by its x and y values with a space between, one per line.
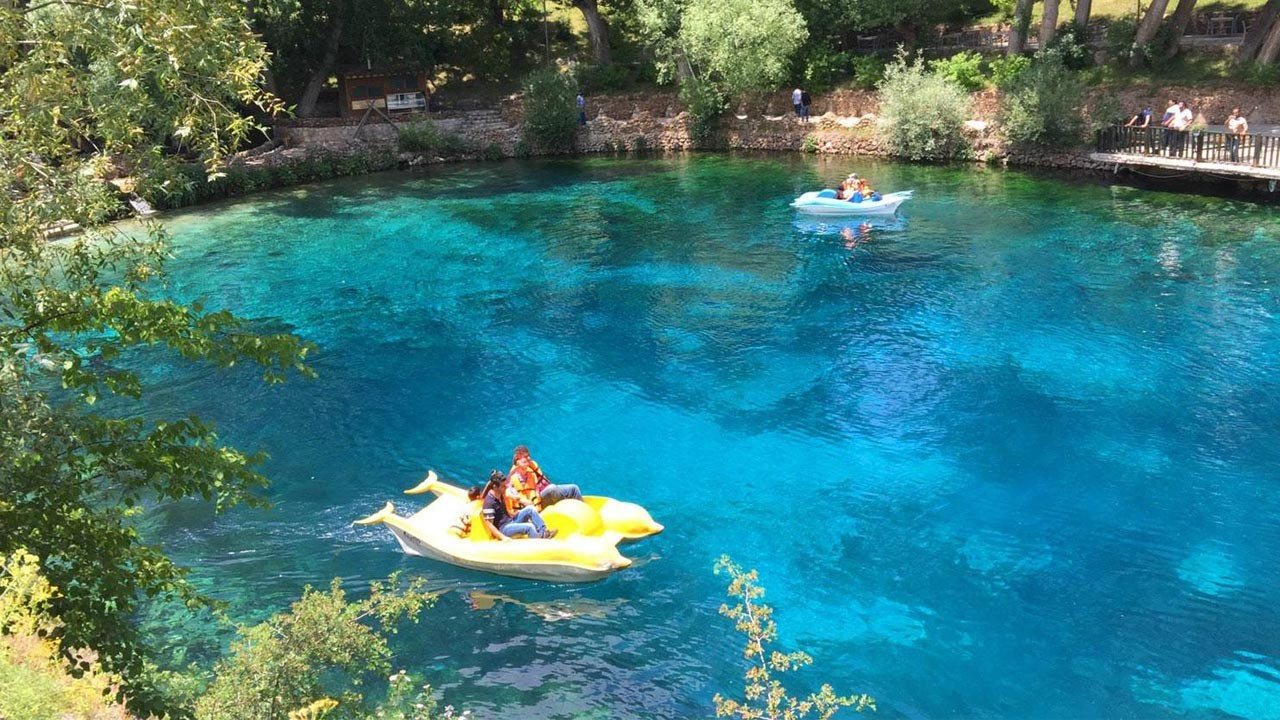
pixel 597 30
pixel 321 650
pixel 1048 22
pixel 85 87
pixel 1178 23
pixel 1018 29
pixel 1258 33
pixel 765 697
pixel 1146 32
pixel 1083 9
pixel 743 45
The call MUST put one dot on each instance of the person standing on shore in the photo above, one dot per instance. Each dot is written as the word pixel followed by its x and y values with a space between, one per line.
pixel 582 110
pixel 805 102
pixel 797 98
pixel 1237 129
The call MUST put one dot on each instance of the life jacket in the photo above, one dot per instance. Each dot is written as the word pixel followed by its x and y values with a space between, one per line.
pixel 471 523
pixel 528 481
pixel 512 504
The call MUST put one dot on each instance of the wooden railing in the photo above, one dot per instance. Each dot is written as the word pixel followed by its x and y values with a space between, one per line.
pixel 1201 146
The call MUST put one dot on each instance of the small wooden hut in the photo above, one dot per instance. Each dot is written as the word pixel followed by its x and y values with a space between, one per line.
pixel 387 89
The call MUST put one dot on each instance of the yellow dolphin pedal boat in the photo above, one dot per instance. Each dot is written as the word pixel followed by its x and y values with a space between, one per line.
pixel 584 548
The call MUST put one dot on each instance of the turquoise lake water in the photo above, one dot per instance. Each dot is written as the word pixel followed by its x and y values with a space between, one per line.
pixel 1010 455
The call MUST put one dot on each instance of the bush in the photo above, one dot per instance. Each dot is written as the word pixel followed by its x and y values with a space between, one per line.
pixel 1120 34
pixel 810 144
pixel 1005 68
pixel 705 103
pixel 604 78
pixel 1042 104
pixel 922 113
pixel 427 137
pixel 1261 74
pixel 963 69
pixel 823 68
pixel 868 71
pixel 550 110
pixel 493 151
pixel 1071 43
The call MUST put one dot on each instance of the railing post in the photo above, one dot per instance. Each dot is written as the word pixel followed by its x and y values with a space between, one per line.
pixel 1257 149
pixel 1199 143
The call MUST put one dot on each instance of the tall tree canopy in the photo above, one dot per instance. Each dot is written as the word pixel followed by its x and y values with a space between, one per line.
pixel 86 87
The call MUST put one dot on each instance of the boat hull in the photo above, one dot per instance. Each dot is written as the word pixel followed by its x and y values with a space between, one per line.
pixel 812 204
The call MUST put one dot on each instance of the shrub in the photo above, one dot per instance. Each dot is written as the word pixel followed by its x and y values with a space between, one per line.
pixel 868 71
pixel 427 137
pixel 764 695
pixel 493 151
pixel 1005 68
pixel 1120 34
pixel 1261 74
pixel 550 110
pixel 1042 104
pixel 922 113
pixel 34 682
pixel 604 78
pixel 324 647
pixel 1071 43
pixel 706 103
pixel 963 69
pixel 810 144
pixel 823 68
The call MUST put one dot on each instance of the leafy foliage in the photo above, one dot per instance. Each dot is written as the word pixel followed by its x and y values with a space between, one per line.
pixel 823 68
pixel 706 103
pixel 550 110
pixel 765 697
pixel 324 647
pixel 964 69
pixel 868 71
pixel 742 45
pixel 103 86
pixel 426 137
pixel 34 682
pixel 922 113
pixel 1042 104
pixel 1007 67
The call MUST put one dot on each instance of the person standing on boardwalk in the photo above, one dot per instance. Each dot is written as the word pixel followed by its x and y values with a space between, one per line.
pixel 805 101
pixel 582 110
pixel 797 98
pixel 1237 129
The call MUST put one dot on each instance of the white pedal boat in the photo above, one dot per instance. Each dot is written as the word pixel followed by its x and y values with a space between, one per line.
pixel 824 202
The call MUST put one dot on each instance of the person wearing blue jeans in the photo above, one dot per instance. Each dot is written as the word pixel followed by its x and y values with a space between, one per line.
pixel 528 480
pixel 504 522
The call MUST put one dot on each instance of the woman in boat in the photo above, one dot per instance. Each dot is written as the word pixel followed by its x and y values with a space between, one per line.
pixel 503 520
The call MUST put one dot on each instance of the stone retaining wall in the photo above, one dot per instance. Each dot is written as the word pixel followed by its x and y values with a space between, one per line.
pixel 843 123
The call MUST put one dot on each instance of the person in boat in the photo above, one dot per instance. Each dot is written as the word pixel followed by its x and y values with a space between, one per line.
pixel 868 192
pixel 845 191
pixel 503 519
pixel 528 481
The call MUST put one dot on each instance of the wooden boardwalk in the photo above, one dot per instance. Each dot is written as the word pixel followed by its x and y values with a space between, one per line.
pixel 1177 164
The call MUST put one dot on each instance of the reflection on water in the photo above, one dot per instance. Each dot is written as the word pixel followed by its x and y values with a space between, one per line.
pixel 1010 453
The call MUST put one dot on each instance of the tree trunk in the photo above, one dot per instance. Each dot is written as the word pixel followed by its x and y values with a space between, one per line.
pixel 1018 31
pixel 1271 47
pixel 1147 30
pixel 1259 32
pixel 1178 25
pixel 1083 8
pixel 1048 22
pixel 307 104
pixel 597 30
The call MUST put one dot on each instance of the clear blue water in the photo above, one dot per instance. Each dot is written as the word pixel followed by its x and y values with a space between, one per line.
pixel 1012 455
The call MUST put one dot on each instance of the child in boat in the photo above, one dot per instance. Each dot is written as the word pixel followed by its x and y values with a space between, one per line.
pixel 527 479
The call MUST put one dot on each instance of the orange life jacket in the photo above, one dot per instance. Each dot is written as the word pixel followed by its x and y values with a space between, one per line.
pixel 528 481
